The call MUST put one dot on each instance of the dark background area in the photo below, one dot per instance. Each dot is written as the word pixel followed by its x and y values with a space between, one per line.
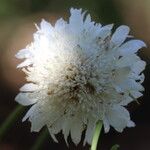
pixel 17 19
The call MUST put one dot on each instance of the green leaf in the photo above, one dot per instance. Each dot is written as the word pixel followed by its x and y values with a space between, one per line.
pixel 115 147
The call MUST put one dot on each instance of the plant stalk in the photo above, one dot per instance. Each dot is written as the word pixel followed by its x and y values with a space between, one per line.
pixel 96 135
pixel 10 120
pixel 40 140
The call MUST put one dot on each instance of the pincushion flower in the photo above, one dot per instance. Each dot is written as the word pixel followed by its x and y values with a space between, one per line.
pixel 78 73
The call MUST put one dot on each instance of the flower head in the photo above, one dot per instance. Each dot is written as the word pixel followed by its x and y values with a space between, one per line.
pixel 78 72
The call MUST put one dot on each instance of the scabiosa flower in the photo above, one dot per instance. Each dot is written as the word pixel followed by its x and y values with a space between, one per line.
pixel 78 73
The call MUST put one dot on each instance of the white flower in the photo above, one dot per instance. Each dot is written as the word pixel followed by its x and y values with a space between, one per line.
pixel 78 72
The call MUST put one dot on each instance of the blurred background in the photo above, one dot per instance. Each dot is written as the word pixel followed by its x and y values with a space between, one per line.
pixel 17 19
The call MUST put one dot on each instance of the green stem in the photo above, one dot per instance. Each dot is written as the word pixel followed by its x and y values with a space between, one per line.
pixel 96 135
pixel 40 140
pixel 10 120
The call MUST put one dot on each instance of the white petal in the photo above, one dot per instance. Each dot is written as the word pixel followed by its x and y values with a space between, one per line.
pixel 130 124
pixel 131 47
pixel 29 113
pixel 29 87
pixel 138 67
pixel 130 84
pixel 118 117
pixel 27 62
pixel 36 117
pixel 87 19
pixel 124 61
pixel 90 130
pixel 66 129
pixel 36 124
pixel 76 130
pixel 24 53
pixel 141 78
pixel 53 137
pixel 120 35
pixel 76 20
pixel 24 99
pixel 121 74
pixel 105 31
pixel 56 126
pixel 126 101
pixel 136 86
pixel 90 25
pixel 106 125
pixel 136 94
pixel 46 27
pixel 60 24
